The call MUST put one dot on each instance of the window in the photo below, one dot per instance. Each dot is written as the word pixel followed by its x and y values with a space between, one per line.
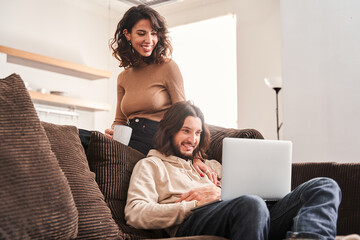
pixel 206 54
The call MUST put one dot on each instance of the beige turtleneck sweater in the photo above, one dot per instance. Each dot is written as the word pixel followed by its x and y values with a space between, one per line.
pixel 148 91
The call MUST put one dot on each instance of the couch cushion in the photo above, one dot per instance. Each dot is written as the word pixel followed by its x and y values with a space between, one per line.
pixel 95 220
pixel 202 237
pixel 219 133
pixel 112 163
pixel 347 175
pixel 36 201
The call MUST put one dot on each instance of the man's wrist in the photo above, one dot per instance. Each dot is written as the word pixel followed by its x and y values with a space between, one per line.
pixel 196 203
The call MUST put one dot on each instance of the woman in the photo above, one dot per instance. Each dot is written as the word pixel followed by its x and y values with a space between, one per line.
pixel 151 81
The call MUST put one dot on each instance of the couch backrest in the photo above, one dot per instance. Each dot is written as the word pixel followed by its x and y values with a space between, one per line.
pixel 219 133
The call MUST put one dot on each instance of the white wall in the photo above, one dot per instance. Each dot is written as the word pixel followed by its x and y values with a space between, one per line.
pixel 210 73
pixel 321 57
pixel 79 31
pixel 258 53
pixel 320 61
pixel 76 31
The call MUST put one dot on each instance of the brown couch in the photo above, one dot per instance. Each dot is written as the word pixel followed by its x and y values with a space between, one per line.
pixel 51 189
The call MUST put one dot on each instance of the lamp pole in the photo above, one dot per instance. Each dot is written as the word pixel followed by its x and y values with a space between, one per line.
pixel 277 90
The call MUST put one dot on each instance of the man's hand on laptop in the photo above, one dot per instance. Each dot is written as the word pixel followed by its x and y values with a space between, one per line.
pixel 202 195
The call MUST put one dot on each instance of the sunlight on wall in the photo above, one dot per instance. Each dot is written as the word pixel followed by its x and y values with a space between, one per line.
pixel 206 54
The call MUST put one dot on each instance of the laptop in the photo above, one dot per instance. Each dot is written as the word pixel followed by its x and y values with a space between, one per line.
pixel 256 167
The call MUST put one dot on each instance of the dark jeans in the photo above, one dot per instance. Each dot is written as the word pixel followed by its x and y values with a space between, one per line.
pixel 310 211
pixel 85 138
pixel 143 131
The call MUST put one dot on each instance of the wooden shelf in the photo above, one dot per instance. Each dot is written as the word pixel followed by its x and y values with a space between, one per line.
pixel 59 66
pixel 52 64
pixel 58 100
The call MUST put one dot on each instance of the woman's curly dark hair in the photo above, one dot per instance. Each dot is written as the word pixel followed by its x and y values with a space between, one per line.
pixel 123 51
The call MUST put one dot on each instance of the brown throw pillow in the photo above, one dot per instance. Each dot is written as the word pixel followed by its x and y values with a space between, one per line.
pixel 36 201
pixel 219 133
pixel 113 162
pixel 95 220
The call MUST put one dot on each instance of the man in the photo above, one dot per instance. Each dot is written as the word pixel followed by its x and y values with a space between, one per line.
pixel 165 187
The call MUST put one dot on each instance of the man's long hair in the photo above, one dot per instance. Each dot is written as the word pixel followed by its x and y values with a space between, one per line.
pixel 172 123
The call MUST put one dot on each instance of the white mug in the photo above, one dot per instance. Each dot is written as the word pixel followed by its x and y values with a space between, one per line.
pixel 122 133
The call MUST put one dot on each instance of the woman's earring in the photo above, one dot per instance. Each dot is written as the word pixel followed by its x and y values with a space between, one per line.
pixel 132 49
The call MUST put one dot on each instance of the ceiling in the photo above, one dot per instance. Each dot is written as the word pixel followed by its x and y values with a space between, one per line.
pixel 151 3
pixel 166 8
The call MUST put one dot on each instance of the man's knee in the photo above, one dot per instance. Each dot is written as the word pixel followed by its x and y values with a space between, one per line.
pixel 328 186
pixel 254 206
pixel 252 201
pixel 328 183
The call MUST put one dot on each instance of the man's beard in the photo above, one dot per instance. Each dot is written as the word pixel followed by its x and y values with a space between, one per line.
pixel 177 153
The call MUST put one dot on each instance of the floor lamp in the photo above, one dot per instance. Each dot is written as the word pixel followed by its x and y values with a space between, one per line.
pixel 276 84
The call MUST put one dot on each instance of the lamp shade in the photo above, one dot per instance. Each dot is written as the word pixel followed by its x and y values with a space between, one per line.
pixel 273 82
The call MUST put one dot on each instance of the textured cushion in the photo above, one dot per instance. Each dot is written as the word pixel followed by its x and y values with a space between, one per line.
pixel 112 163
pixel 95 220
pixel 36 201
pixel 219 133
pixel 202 237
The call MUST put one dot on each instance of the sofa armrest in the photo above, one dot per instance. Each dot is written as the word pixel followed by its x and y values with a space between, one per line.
pixel 219 133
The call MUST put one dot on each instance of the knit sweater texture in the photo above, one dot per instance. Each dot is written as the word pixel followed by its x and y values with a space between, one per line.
pixel 148 91
pixel 156 183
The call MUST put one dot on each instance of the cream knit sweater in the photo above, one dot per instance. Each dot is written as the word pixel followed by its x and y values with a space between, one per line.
pixel 156 183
